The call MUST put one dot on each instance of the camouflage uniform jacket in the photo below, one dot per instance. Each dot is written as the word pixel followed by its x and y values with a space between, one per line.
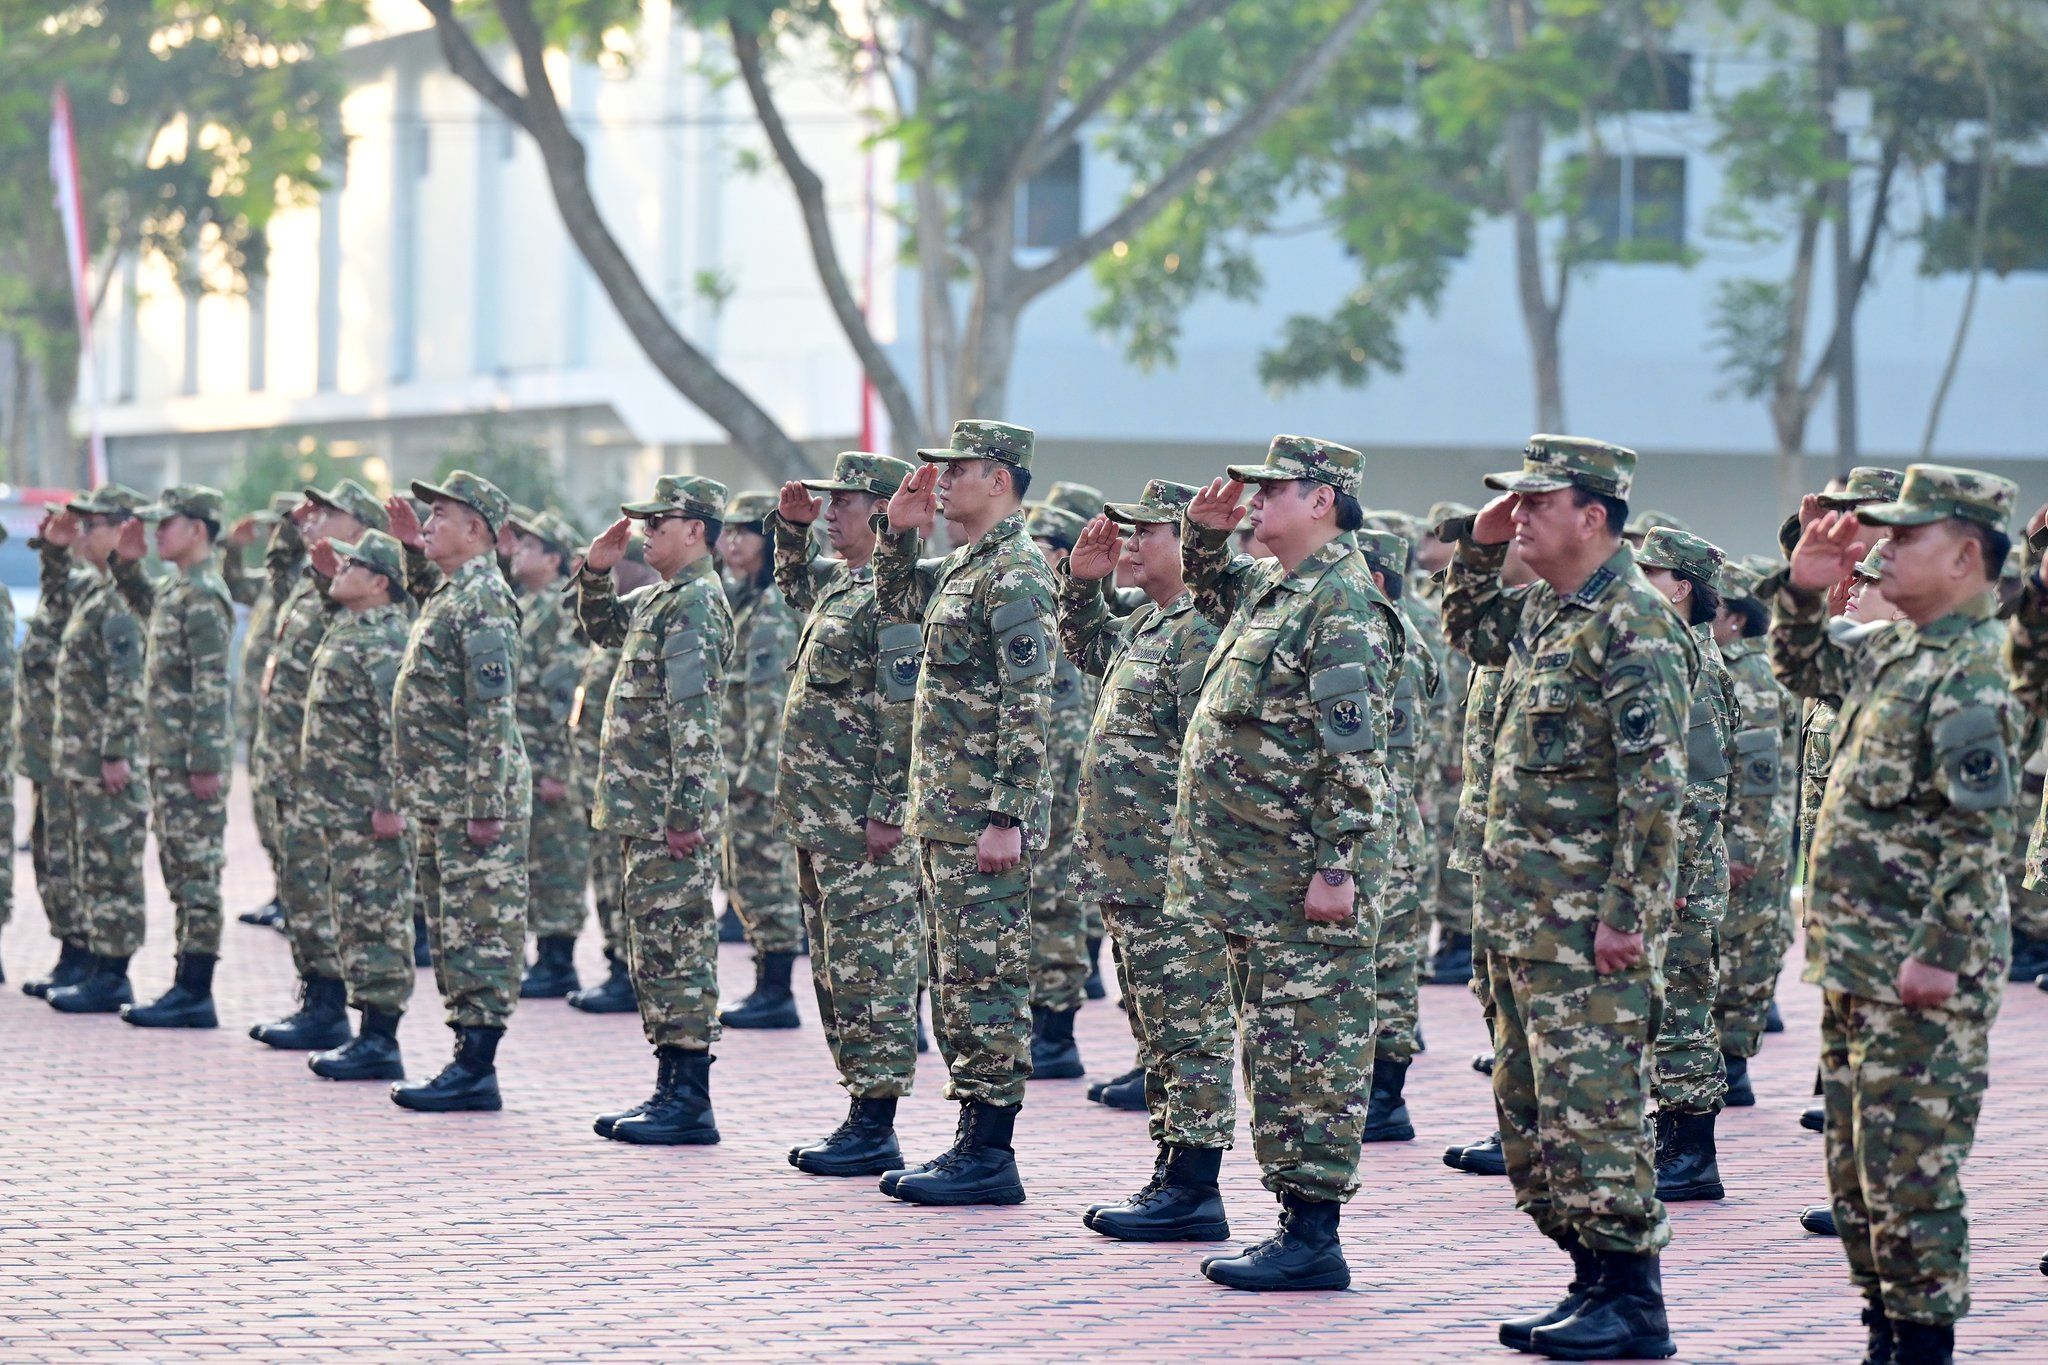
pixel 346 754
pixel 185 665
pixel 1414 743
pixel 1284 770
pixel 35 700
pixel 8 683
pixel 845 736
pixel 2027 654
pixel 1906 857
pixel 661 767
pixel 99 685
pixel 1482 693
pixel 1074 696
pixel 983 710
pixel 456 737
pixel 550 665
pixel 283 561
pixel 1760 821
pixel 1442 741
pixel 586 715
pixel 750 713
pixel 1151 665
pixel 303 617
pixel 1588 752
pixel 1711 727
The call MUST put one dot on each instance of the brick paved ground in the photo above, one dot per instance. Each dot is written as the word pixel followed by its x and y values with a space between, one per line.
pixel 179 1194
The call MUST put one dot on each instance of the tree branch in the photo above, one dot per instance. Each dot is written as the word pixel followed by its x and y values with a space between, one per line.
pixel 952 25
pixel 906 430
pixel 1888 165
pixel 459 50
pixel 1288 92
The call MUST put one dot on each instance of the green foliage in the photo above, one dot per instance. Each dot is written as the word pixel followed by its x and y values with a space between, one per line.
pixel 521 468
pixel 283 464
pixel 1751 328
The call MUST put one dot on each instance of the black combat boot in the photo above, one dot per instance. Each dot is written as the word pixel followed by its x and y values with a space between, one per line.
pixel 1096 1088
pixel 665 1061
pixel 614 995
pixel 771 1005
pixel 1819 1219
pixel 890 1179
pixel 1915 1343
pixel 553 973
pixel 2029 957
pixel 1054 1054
pixel 372 1055
pixel 1304 1254
pixel 1814 1117
pixel 422 946
pixel 1095 990
pixel 1182 1205
pixel 187 1004
pixel 469 1081
pixel 1774 1022
pixel 264 915
pixel 1686 1166
pixel 1621 1319
pixel 730 930
pixel 73 962
pixel 679 1113
pixel 1515 1334
pixel 981 1168
pixel 1158 1178
pixel 321 1021
pixel 1482 1062
pixel 1452 965
pixel 1740 1096
pixel 863 1145
pixel 1483 1157
pixel 1880 1345
pixel 103 989
pixel 1127 1095
pixel 1386 1113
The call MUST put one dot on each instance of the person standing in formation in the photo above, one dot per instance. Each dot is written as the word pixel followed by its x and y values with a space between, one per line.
pixel 63 580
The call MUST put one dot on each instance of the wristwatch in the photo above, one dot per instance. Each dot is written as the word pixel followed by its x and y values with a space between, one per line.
pixel 998 820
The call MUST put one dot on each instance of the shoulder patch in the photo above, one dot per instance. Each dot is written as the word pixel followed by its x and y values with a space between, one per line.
pixel 899 651
pixel 1021 640
pixel 1976 771
pixel 1343 709
pixel 490 664
pixel 682 659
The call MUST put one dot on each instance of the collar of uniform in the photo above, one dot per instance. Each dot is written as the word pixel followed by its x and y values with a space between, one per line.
pixel 1180 605
pixel 473 568
pixel 1957 623
pixel 1007 529
pixel 1310 571
pixel 696 568
pixel 374 614
pixel 1705 631
pixel 1604 578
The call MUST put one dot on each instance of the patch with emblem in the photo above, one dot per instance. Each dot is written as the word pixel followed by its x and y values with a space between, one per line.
pixel 1557 660
pixel 1636 724
pixel 1971 746
pixel 1346 719
pixel 1022 650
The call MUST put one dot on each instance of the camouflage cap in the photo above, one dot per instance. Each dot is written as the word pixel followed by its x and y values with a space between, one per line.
pixel 1762 566
pixel 1055 524
pixel 352 499
pixel 1290 459
pixel 551 529
pixel 861 471
pixel 1642 523
pixel 2015 562
pixel 1162 502
pixel 1083 500
pixel 690 495
pixel 283 504
pixel 186 500
pixel 1867 483
pixel 1681 552
pixel 521 512
pixel 1937 492
pixel 109 499
pixel 473 491
pixel 1444 509
pixel 1735 581
pixel 1553 462
pixel 1871 567
pixel 377 552
pixel 979 440
pixel 1385 551
pixel 742 509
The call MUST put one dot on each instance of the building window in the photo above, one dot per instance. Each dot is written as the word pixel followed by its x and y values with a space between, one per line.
pixel 1052 202
pixel 2016 236
pixel 1634 208
pixel 1655 82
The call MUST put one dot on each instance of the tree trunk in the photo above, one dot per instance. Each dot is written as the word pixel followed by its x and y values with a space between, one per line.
pixel 1524 149
pixel 1980 229
pixel 1834 75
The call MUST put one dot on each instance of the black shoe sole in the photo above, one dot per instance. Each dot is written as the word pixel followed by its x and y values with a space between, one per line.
pixel 845 1171
pixel 1734 1101
pixel 324 1043
pixel 207 1020
pixel 606 1007
pixel 1007 1194
pixel 773 1021
pixel 550 992
pixel 1639 1348
pixel 640 1137
pixel 1326 1282
pixel 106 1007
pixel 382 1073
pixel 1404 1132
pixel 1215 1230
pixel 481 1105
pixel 1697 1192
pixel 1491 1165
pixel 1816 1126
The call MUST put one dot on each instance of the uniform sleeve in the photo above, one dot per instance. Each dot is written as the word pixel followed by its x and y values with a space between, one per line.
pixel 890 796
pixel 2027 647
pixel 1089 633
pixel 209 741
pixel 1806 658
pixel 549 667
pixel 603 616
pixel 799 570
pixel 903 582
pixel 1017 605
pixel 766 682
pixel 133 585
pixel 121 650
pixel 243 587
pixel 1350 813
pixel 378 675
pixel 283 557
pixel 695 680
pixel 1482 615
pixel 1646 697
pixel 490 644
pixel 59 584
pixel 1709 800
pixel 1974 728
pixel 422 576
pixel 1215 575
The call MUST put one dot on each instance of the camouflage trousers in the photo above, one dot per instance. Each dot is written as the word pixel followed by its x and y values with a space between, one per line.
pixel 1059 929
pixel 190 847
pixel 370 884
pixel 303 892
pixel 1902 1089
pixel 672 943
pixel 1306 1019
pixel 106 838
pixel 1092 922
pixel 475 905
pixel 1754 941
pixel 7 863
pixel 1691 1077
pixel 758 871
pixel 1175 970
pixel 1451 906
pixel 981 971
pixel 557 868
pixel 49 835
pixel 267 832
pixel 1397 963
pixel 608 890
pixel 867 935
pixel 1571 1088
pixel 2029 910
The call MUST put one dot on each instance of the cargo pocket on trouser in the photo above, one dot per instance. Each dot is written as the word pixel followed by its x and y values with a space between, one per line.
pixel 483 923
pixel 1308 1030
pixel 674 940
pixel 981 988
pixel 874 938
pixel 1929 1074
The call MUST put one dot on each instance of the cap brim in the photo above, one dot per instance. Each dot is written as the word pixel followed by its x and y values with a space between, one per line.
pixel 1841 500
pixel 948 455
pixel 158 511
pixel 1643 563
pixel 833 486
pixel 1900 514
pixel 1525 481
pixel 1133 514
pixel 640 511
pixel 314 495
pixel 1258 473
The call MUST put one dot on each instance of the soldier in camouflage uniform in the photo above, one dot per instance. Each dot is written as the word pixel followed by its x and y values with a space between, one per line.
pixel 843 778
pixel 284 556
pixel 1907 927
pixel 757 867
pixel 1282 814
pixel 1691 1078
pixel 351 775
pixel 1452 963
pixel 980 789
pixel 1087 502
pixel 63 580
pixel 550 666
pixel 100 751
pixel 303 616
pixel 661 788
pixel 190 620
pixel 468 788
pixel 1580 875
pixel 7 751
pixel 1175 968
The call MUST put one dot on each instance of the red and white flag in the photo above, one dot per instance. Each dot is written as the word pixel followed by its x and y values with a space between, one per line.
pixel 71 213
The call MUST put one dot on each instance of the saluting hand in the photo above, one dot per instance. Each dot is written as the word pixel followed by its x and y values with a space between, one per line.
pixel 797 506
pixel 1218 507
pixel 1829 547
pixel 60 528
pixel 325 562
pixel 915 506
pixel 1095 550
pixel 242 532
pixel 1495 524
pixel 131 545
pixel 405 523
pixel 610 547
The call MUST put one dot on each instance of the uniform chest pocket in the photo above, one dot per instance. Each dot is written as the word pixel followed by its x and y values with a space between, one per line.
pixel 1884 753
pixel 828 649
pixel 683 666
pixel 1237 683
pixel 1705 759
pixel 1553 724
pixel 1131 701
pixel 639 666
pixel 1756 760
pixel 949 624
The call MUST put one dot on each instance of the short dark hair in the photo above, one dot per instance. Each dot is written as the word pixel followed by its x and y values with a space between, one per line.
pixel 1020 479
pixel 1755 620
pixel 1350 516
pixel 1994 543
pixel 1391 585
pixel 1615 508
pixel 212 525
pixel 712 527
pixel 1705 603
